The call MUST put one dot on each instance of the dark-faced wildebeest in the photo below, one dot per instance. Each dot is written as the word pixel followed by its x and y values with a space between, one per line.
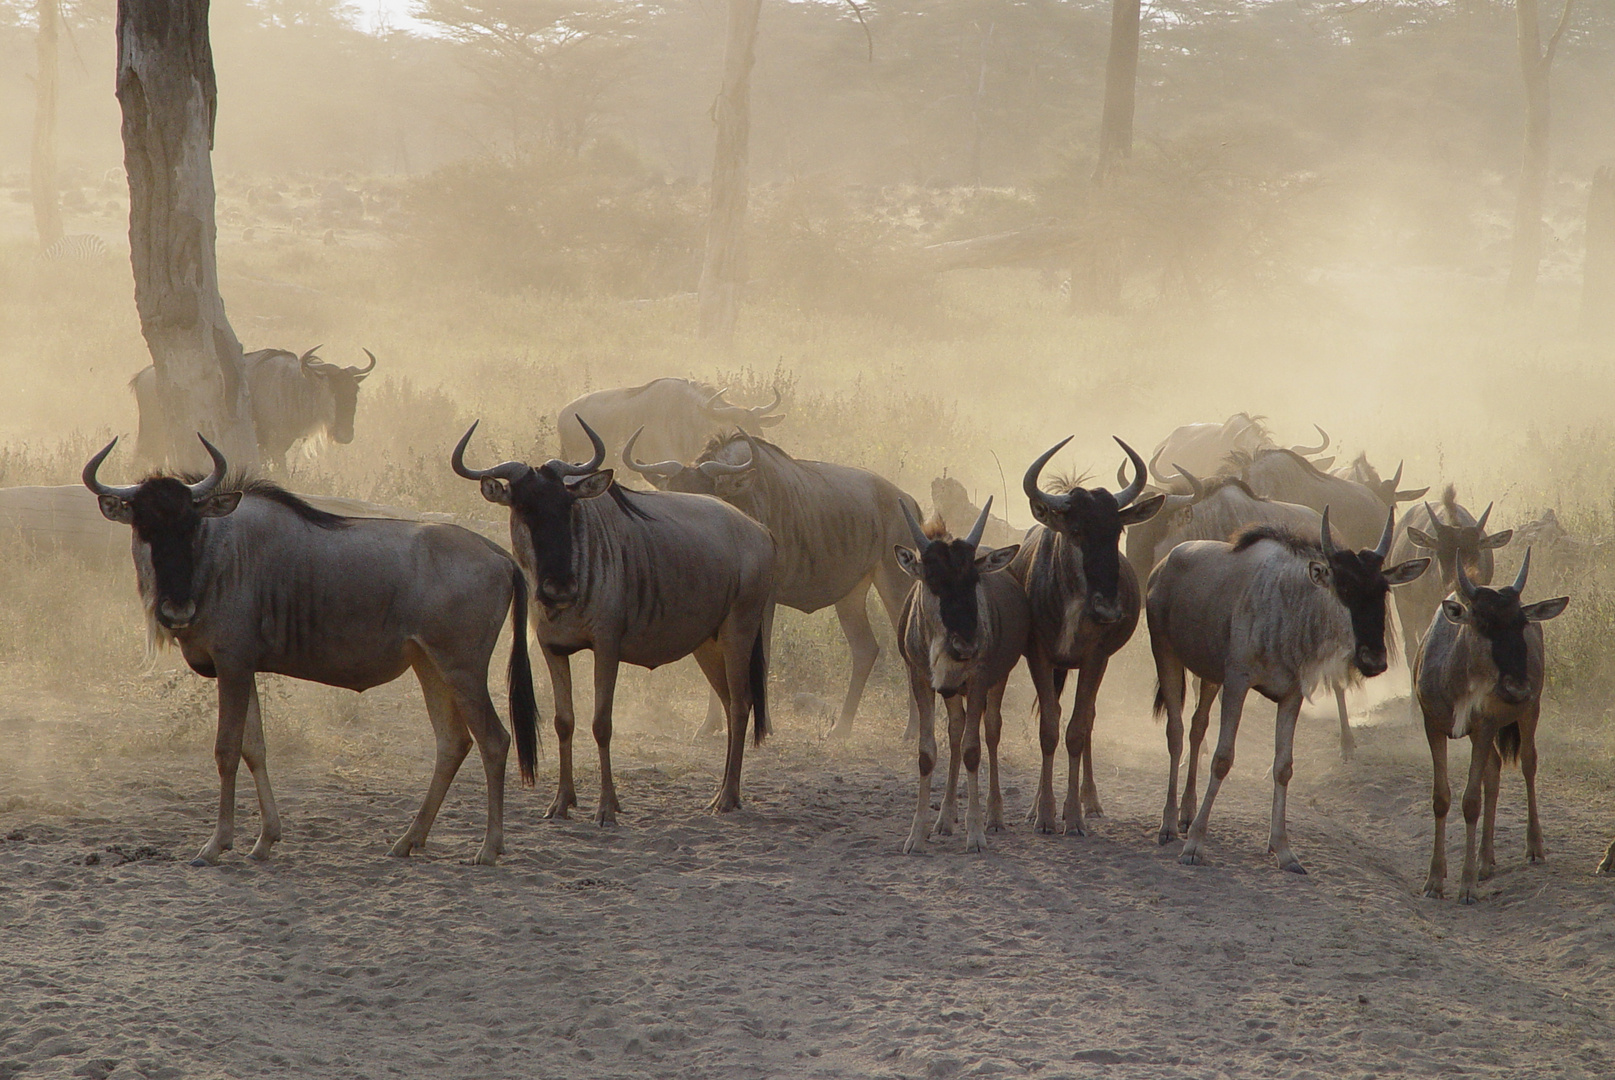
pixel 248 577
pixel 642 578
pixel 1479 675
pixel 1270 612
pixel 1205 448
pixel 836 528
pixel 1085 603
pixel 1357 509
pixel 962 631
pixel 293 397
pixel 1460 537
pixel 678 417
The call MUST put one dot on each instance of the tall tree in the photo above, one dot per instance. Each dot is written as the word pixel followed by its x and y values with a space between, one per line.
pixel 1121 82
pixel 1536 65
pixel 1598 272
pixel 166 88
pixel 723 270
pixel 42 171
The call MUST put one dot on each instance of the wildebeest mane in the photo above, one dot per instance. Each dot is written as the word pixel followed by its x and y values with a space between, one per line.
pixel 268 489
pixel 1214 484
pixel 1064 483
pixel 705 388
pixel 627 505
pixel 1280 534
pixel 724 438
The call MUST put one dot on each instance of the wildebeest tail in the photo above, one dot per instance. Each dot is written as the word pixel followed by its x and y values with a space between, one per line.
pixel 1160 700
pixel 1059 688
pixel 759 691
pixel 519 683
pixel 1508 744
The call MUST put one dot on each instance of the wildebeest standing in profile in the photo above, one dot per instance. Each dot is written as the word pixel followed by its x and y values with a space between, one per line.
pixel 293 397
pixel 1357 509
pixel 1479 675
pixel 678 417
pixel 642 578
pixel 962 632
pixel 1084 605
pixel 1204 448
pixel 836 528
pixel 1269 612
pixel 249 578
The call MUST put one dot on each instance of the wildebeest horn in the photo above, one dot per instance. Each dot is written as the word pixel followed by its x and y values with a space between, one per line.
pixel 770 407
pixel 1034 470
pixel 1324 435
pixel 1466 588
pixel 1130 492
pixel 1164 481
pixel 1195 485
pixel 93 466
pixel 723 468
pixel 1480 525
pixel 1121 475
pixel 306 357
pixel 1525 572
pixel 981 524
pixel 1383 548
pixel 204 488
pixel 1434 520
pixel 661 468
pixel 359 373
pixel 1397 479
pixel 1323 535
pixel 716 399
pixel 921 541
pixel 565 468
pixel 508 470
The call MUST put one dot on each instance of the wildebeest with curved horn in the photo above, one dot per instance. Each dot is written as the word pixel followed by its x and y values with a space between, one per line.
pixel 962 632
pixel 1205 448
pixel 642 578
pixel 836 528
pixel 248 577
pixel 1084 602
pixel 1479 675
pixel 1357 508
pixel 1271 612
pixel 678 417
pixel 293 397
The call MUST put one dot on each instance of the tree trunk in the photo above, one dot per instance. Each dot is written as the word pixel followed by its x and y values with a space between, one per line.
pixel 1121 81
pixel 723 271
pixel 1598 273
pixel 975 109
pixel 1536 65
pixel 42 174
pixel 166 89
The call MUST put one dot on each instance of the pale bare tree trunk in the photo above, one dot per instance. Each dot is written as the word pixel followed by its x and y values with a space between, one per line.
pixel 168 95
pixel 1096 280
pixel 723 270
pixel 1536 65
pixel 42 172
pixel 1598 273
pixel 975 108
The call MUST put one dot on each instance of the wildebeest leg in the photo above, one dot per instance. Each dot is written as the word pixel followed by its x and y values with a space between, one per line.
pixel 1278 837
pixel 235 691
pixel 1479 752
pixel 975 703
pixel 994 723
pixel 605 692
pixel 710 655
pixel 1082 800
pixel 1169 679
pixel 925 704
pixel 948 814
pixel 1535 850
pixel 852 611
pixel 1048 737
pixel 473 708
pixel 255 755
pixel 453 743
pixel 716 711
pixel 1347 744
pixel 1197 737
pixel 1435 886
pixel 566 795
pixel 1491 780
pixel 1233 704
pixel 1608 865
pixel 735 640
pixel 892 585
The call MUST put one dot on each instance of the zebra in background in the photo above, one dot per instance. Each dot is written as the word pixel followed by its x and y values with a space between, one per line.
pixel 80 247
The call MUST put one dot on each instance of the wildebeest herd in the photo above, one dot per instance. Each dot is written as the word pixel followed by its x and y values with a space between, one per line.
pixel 1255 570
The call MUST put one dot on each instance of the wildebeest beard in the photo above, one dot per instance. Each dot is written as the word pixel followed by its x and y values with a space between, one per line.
pixel 951 576
pixel 166 519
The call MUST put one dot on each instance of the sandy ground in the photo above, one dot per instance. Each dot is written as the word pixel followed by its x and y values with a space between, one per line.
pixel 791 938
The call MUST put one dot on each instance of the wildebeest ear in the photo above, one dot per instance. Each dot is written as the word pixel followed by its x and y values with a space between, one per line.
pixel 1319 573
pixel 768 421
pixel 1454 612
pixel 116 509
pixel 1543 610
pixel 1402 573
pixel 496 490
pixel 1497 540
pixel 219 504
pixel 1045 514
pixel 1422 539
pixel 908 560
pixel 588 487
pixel 996 559
pixel 1143 510
pixel 1409 496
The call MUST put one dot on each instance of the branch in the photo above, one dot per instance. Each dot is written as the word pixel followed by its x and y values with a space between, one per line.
pixel 870 40
pixel 1559 32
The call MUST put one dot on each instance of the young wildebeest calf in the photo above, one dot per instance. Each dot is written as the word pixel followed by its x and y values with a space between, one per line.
pixel 250 578
pixel 963 629
pixel 1269 612
pixel 1479 673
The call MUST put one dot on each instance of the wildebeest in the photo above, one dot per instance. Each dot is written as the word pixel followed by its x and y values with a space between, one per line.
pixel 642 578
pixel 678 417
pixel 1204 448
pixel 1357 509
pixel 950 503
pixel 835 526
pixel 1460 537
pixel 246 577
pixel 962 632
pixel 1084 603
pixel 1479 675
pixel 1271 612
pixel 293 397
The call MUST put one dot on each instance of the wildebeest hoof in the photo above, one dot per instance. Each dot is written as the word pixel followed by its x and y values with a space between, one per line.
pixel 1165 837
pixel 560 807
pixel 1435 892
pixel 1192 858
pixel 1467 897
pixel 1073 829
pixel 1487 873
pixel 723 803
pixel 943 827
pixel 1294 867
pixel 976 844
pixel 199 861
pixel 485 858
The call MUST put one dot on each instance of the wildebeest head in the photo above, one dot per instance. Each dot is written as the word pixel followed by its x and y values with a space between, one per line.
pixel 166 514
pixel 1455 544
pixel 1360 581
pixel 723 412
pixel 342 383
pixel 541 502
pixel 1498 616
pixel 1093 519
pixel 1368 476
pixel 710 476
pixel 950 570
